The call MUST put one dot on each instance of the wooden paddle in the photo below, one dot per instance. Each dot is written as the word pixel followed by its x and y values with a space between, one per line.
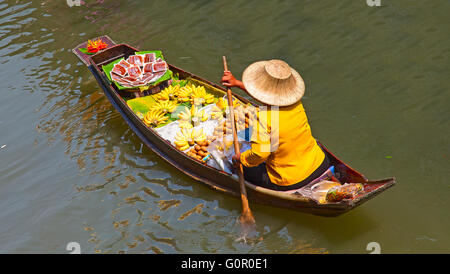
pixel 246 218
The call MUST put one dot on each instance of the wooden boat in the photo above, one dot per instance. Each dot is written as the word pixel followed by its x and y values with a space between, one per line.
pixel 214 178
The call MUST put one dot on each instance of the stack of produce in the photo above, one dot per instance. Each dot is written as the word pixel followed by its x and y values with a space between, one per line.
pixel 200 150
pixel 154 112
pixel 195 138
pixel 173 96
pixel 191 137
pixel 195 95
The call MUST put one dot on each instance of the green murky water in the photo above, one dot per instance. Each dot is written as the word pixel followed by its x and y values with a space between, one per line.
pixel 377 95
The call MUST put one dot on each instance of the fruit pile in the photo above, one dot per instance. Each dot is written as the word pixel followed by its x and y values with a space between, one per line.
pixel 189 137
pixel 195 95
pixel 218 111
pixel 200 150
pixel 171 97
pixel 196 141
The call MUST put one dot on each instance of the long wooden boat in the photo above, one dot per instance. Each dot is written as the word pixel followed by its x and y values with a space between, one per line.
pixel 212 177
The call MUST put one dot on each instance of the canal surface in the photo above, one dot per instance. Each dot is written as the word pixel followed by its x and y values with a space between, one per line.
pixel 377 95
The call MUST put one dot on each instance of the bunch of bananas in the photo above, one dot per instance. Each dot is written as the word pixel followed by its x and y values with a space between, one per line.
pixel 202 115
pixel 216 113
pixel 198 136
pixel 199 96
pixel 183 139
pixel 165 106
pixel 155 118
pixel 193 115
pixel 169 93
pixel 184 94
pixel 222 104
pixel 189 137
pixel 185 114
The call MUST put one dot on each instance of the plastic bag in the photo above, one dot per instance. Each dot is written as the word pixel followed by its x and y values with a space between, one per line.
pixel 320 190
pixel 307 190
pixel 229 146
pixel 346 191
pixel 222 151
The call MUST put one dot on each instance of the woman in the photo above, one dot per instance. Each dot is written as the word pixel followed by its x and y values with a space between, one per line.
pixel 284 155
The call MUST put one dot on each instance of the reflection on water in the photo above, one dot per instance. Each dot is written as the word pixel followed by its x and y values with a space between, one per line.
pixel 73 171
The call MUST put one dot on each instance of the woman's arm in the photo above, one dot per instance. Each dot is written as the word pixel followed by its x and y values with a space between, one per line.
pixel 261 143
pixel 228 80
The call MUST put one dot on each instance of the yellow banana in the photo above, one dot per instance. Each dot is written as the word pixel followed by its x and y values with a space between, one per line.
pixel 203 115
pixel 222 104
pixel 195 133
pixel 184 136
pixel 185 114
pixel 185 147
pixel 199 96
pixel 198 135
pixel 165 106
pixel 180 143
pixel 184 93
pixel 154 118
pixel 169 93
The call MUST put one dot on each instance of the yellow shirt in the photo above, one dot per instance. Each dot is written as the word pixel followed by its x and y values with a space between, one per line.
pixel 285 143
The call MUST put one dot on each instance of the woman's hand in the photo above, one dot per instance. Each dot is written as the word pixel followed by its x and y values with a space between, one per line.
pixel 236 159
pixel 228 79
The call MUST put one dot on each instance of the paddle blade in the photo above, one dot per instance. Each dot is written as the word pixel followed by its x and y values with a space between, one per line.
pixel 247 218
pixel 248 232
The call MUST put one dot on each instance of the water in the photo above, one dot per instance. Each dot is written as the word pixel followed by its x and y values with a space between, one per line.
pixel 377 95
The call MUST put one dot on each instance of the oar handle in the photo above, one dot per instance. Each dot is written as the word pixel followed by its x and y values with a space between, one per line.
pixel 225 66
pixel 246 216
pixel 231 108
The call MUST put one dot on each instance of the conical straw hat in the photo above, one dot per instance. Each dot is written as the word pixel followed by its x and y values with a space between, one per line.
pixel 274 83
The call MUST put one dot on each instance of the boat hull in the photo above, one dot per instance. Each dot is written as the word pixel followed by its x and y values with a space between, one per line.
pixel 219 180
